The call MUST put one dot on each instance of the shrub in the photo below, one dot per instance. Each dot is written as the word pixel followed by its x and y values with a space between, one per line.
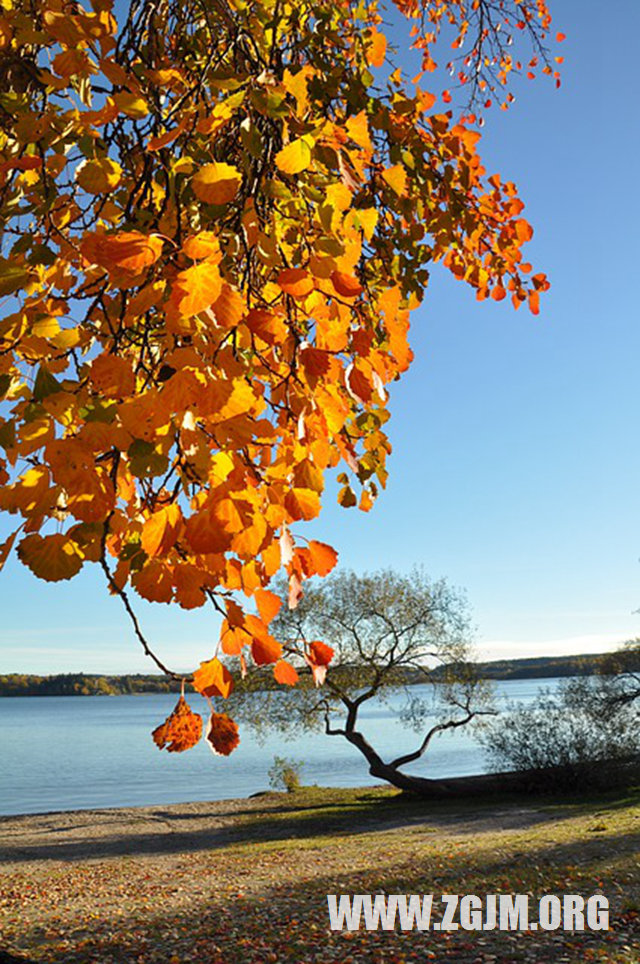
pixel 284 774
pixel 573 735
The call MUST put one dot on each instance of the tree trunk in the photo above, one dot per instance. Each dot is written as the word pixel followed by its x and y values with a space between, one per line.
pixel 378 768
pixel 422 786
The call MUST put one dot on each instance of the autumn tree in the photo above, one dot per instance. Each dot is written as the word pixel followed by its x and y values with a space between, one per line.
pixel 389 633
pixel 217 216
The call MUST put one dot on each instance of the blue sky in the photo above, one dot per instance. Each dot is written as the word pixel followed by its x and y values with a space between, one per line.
pixel 515 462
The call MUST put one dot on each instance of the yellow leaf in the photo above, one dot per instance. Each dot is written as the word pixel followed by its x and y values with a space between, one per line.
pixel 131 104
pixel 295 157
pixel 46 327
pixel 99 176
pixel 396 178
pixel 52 557
pixel 216 183
pixel 366 219
pixel 67 338
pixel 296 84
pixel 358 130
pixel 184 165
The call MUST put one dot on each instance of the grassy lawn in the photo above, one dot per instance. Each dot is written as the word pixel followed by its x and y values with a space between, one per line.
pixel 259 895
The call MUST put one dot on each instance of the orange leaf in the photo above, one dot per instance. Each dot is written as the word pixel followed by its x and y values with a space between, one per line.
pixel 524 231
pixel 357 128
pixel 295 282
pixel 323 557
pixel 377 49
pixel 52 557
pixel 232 639
pixel 534 302
pixel 221 734
pixel 357 385
pixel 213 679
pixel 112 375
pixel 128 250
pixel 216 183
pixel 229 307
pixel 160 531
pixel 268 604
pixel 201 245
pixel 156 143
pixel 302 504
pixel 285 673
pixel 180 731
pixel 195 289
pixel 154 582
pixel 266 325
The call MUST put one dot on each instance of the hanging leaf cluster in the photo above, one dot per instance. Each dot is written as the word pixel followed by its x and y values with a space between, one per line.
pixel 217 216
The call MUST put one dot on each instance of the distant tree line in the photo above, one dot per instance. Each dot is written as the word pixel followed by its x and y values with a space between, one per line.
pixel 81 684
pixel 542 667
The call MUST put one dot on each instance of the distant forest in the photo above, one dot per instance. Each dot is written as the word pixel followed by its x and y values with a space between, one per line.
pixel 83 684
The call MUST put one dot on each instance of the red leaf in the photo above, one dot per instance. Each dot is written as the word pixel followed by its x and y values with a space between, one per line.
pixel 265 650
pixel 221 734
pixel 180 731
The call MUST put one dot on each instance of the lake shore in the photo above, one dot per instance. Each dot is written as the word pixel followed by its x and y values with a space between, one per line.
pixel 246 880
pixel 190 827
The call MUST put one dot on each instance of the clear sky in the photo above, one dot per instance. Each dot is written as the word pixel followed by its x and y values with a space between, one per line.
pixel 516 462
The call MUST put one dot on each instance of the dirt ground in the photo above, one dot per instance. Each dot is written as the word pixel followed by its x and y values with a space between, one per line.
pixel 245 881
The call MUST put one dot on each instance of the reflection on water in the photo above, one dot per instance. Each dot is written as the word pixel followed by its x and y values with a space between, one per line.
pixel 71 753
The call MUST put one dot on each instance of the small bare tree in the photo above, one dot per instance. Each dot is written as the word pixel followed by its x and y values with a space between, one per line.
pixel 620 676
pixel 388 631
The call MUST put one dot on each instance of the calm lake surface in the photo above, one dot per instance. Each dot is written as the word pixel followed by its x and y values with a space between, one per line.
pixel 85 752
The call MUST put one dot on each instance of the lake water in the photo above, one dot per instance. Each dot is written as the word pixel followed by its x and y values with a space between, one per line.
pixel 85 752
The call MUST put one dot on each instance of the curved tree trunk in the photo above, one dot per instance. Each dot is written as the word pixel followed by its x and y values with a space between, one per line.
pixel 391 774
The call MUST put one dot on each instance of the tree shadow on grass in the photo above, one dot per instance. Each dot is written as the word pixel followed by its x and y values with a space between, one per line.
pixel 158 831
pixel 288 920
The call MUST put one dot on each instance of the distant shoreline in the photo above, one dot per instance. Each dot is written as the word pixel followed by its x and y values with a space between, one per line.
pixel 89 684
